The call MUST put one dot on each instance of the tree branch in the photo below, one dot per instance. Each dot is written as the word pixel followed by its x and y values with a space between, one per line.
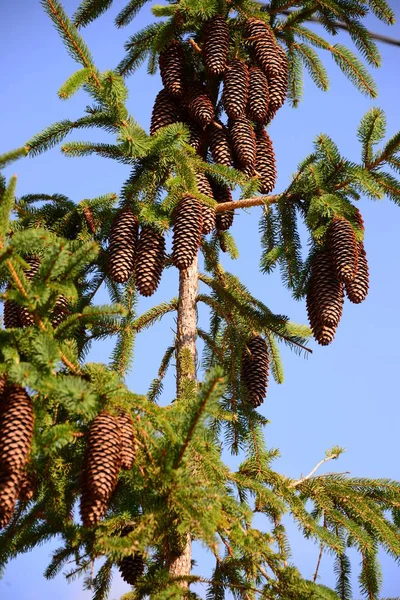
pixel 253 201
pixel 315 469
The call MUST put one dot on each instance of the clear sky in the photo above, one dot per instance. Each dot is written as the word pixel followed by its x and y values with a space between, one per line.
pixel 346 394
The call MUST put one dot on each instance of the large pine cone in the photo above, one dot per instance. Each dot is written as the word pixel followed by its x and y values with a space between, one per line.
pixel 222 194
pixel 243 141
pixel 324 297
pixel 128 440
pixel 172 69
pixel 278 84
pixel 236 88
pixel 265 47
pixel 265 161
pixel 165 112
pixel 204 187
pixel 123 240
pixel 199 104
pixel 188 224
pixel 198 137
pixel 16 429
pixel 343 248
pixel 219 145
pixel 91 509
pixel 11 315
pixel 131 568
pixel 323 334
pixel 9 485
pixel 60 311
pixel 255 366
pixel 258 100
pixel 216 45
pixel 357 289
pixel 150 260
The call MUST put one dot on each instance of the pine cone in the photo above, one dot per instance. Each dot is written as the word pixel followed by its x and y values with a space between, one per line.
pixel 128 441
pixel 258 100
pixel 60 311
pixel 324 296
pixel 27 487
pixel 123 239
pixel 131 568
pixel 90 222
pixel 150 260
pixel 3 382
pixel 9 484
pixel 216 45
pixel 91 509
pixel 265 47
pixel 342 245
pixel 199 104
pixel 357 289
pixel 188 224
pixel 236 88
pixel 243 141
pixel 222 194
pixel 323 334
pixel 278 84
pixel 219 146
pixel 255 365
pixel 16 429
pixel 198 137
pixel 11 315
pixel 172 69
pixel 204 187
pixel 359 220
pixel 265 161
pixel 26 318
pixel 165 112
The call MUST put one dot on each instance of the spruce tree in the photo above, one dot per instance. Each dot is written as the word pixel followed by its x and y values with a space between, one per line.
pixel 145 478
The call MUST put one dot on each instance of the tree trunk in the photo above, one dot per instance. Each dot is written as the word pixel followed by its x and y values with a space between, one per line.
pixel 186 338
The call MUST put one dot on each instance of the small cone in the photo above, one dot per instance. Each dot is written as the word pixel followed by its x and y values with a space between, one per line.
pixel 236 88
pixel 172 68
pixel 216 45
pixel 165 112
pixel 343 248
pixel 265 161
pixel 219 146
pixel 255 367
pixel 27 487
pixel 131 568
pixel 188 224
pixel 60 311
pixel 16 429
pixel 357 289
pixel 150 260
pixel 11 315
pixel 278 84
pixel 258 100
pixel 9 483
pixel 263 42
pixel 204 187
pixel 90 222
pixel 25 316
pixel 222 194
pixel 199 104
pixel 128 441
pixel 123 239
pixel 243 141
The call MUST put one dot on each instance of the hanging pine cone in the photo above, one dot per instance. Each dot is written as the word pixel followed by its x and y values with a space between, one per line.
pixel 9 484
pixel 222 194
pixel 342 245
pixel 199 104
pixel 11 315
pixel 165 112
pixel 236 88
pixel 60 311
pixel 150 260
pixel 243 141
pixel 219 145
pixel 255 366
pixel 278 84
pixel 27 487
pixel 204 187
pixel 198 137
pixel 123 239
pixel 16 429
pixel 324 299
pixel 359 220
pixel 188 224
pixel 265 161
pixel 357 289
pixel 131 568
pixel 216 45
pixel 90 222
pixel 91 509
pixel 263 42
pixel 26 318
pixel 172 69
pixel 258 99
pixel 128 441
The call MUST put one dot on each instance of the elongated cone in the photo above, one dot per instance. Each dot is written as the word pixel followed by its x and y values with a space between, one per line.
pixel 236 88
pixel 9 484
pixel 128 440
pixel 91 509
pixel 204 187
pixel 122 247
pixel 222 194
pixel 16 429
pixel 324 298
pixel 165 112
pixel 60 311
pixel 255 367
pixel 278 84
pixel 265 160
pixel 199 104
pixel 131 568
pixel 357 289
pixel 25 316
pixel 243 140
pixel 343 248
pixel 150 260
pixel 90 222
pixel 188 224
pixel 216 45
pixel 220 146
pixel 258 99
pixel 172 69
pixel 11 315
pixel 263 42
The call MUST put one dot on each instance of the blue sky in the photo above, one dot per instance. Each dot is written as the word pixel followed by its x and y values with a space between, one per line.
pixel 345 394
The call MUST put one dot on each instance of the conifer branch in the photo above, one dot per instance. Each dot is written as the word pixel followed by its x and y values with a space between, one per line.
pixel 331 456
pixel 249 202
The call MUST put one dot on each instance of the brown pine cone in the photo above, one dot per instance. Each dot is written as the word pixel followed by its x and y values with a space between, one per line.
pixel 204 187
pixel 150 260
pixel 89 219
pixel 12 315
pixel 323 334
pixel 343 248
pixel 60 311
pixel 165 112
pixel 9 484
pixel 357 289
pixel 265 47
pixel 26 318
pixel 16 429
pixel 222 194
pixel 122 246
pixel 198 137
pixel 243 140
pixel 131 568
pixel 91 509
pixel 188 224
pixel 258 100
pixel 265 161
pixel 219 145
pixel 128 440
pixel 172 69
pixel 216 45
pixel 255 367
pixel 278 84
pixel 236 88
pixel 199 104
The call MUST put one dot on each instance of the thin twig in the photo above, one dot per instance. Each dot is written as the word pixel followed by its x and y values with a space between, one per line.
pixel 248 202
pixel 321 551
pixel 321 462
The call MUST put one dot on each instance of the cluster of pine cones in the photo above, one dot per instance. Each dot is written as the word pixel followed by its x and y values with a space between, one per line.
pixel 340 267
pixel 255 368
